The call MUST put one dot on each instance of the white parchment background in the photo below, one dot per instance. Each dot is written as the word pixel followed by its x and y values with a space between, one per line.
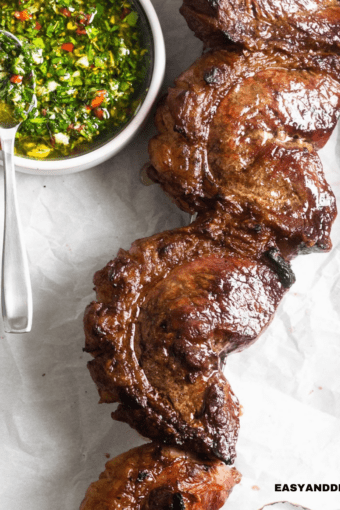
pixel 55 438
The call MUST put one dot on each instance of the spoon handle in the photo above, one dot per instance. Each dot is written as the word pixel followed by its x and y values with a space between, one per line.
pixel 16 291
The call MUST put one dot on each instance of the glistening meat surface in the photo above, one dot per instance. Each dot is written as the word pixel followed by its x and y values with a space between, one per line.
pixel 237 143
pixel 155 477
pixel 241 130
pixel 291 25
pixel 166 312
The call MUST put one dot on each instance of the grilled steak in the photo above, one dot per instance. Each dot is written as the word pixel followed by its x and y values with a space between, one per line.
pixel 237 143
pixel 166 312
pixel 290 25
pixel 154 477
pixel 241 130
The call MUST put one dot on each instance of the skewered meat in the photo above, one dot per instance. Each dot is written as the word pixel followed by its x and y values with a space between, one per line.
pixel 291 25
pixel 237 142
pixel 153 477
pixel 240 130
pixel 166 312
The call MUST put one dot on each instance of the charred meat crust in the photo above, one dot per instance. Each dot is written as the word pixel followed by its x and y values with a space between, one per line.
pixel 237 143
pixel 167 311
pixel 240 131
pixel 293 27
pixel 156 477
pixel 282 267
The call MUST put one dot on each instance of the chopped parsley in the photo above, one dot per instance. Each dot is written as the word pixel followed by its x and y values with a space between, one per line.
pixel 89 64
pixel 16 81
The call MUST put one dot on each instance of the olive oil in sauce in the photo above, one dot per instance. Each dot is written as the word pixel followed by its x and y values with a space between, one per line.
pixel 89 64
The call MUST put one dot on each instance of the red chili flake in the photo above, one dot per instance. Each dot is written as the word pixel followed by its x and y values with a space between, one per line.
pixel 88 108
pixel 44 112
pixel 22 15
pixel 86 19
pixel 70 126
pixel 16 78
pixel 99 113
pixel 97 101
pixel 37 26
pixel 67 47
pixel 81 31
pixel 65 12
pixel 125 12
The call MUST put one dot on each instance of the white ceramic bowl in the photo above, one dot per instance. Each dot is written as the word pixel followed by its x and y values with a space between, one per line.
pixel 95 157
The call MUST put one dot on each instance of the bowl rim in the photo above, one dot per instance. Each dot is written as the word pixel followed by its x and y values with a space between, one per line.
pixel 109 149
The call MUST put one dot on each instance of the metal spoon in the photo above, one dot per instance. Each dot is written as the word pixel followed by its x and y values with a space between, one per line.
pixel 283 505
pixel 16 291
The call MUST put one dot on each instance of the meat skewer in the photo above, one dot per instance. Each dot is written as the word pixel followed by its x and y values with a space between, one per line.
pixel 167 310
pixel 237 143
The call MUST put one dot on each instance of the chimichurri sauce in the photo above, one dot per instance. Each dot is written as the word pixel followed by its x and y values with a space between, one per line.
pixel 16 81
pixel 88 61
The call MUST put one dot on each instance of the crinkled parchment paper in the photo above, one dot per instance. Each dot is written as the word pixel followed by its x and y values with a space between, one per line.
pixel 54 436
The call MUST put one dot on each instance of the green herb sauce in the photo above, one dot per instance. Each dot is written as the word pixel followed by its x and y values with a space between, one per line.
pixel 16 81
pixel 89 63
